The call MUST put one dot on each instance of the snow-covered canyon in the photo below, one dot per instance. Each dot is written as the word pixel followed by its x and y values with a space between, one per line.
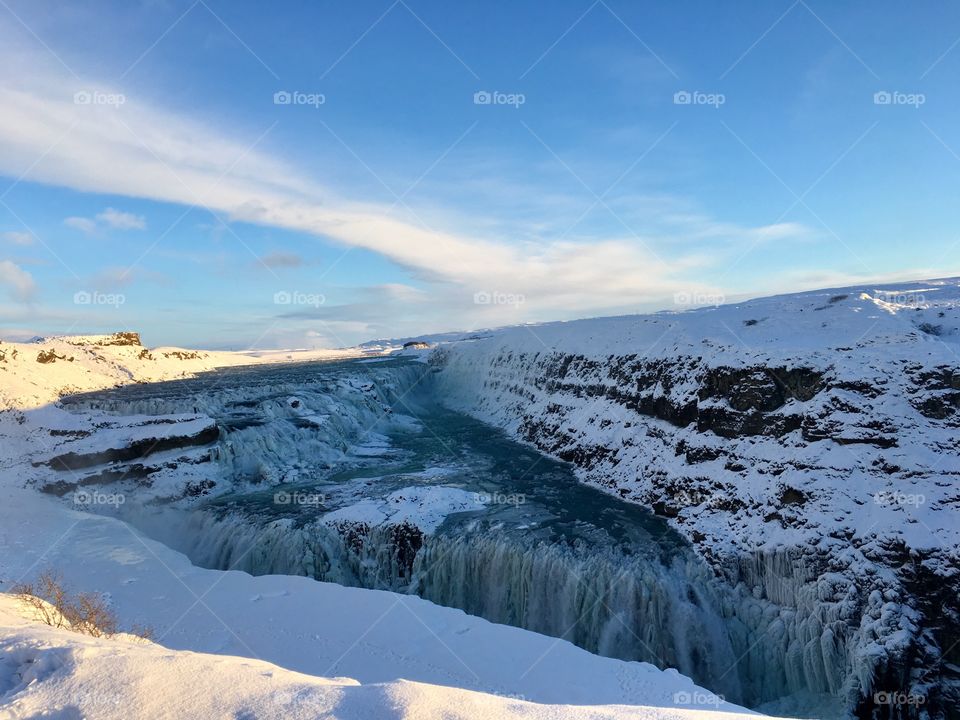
pixel 361 478
pixel 799 456
pixel 807 445
pixel 90 464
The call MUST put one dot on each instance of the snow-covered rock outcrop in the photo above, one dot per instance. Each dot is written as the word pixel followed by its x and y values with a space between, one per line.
pixel 807 445
pixel 36 373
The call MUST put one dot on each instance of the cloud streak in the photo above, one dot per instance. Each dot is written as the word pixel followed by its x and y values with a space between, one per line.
pixel 109 218
pixel 19 238
pixel 18 282
pixel 144 151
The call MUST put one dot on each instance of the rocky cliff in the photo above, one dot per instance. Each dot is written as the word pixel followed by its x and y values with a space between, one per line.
pixel 807 445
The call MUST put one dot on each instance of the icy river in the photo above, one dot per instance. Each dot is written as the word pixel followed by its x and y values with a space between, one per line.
pixel 356 473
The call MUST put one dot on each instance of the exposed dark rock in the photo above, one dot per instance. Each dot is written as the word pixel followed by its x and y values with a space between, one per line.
pixel 195 489
pixel 122 338
pixel 45 357
pixel 183 354
pixel 665 510
pixel 792 496
pixel 137 449
pixel 106 477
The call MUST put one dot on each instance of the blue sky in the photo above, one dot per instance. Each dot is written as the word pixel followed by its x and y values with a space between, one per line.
pixel 633 156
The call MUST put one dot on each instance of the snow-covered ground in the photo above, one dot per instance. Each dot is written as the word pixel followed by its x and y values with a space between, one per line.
pixel 242 646
pixel 51 672
pixel 424 507
pixel 307 355
pixel 72 364
pixel 304 626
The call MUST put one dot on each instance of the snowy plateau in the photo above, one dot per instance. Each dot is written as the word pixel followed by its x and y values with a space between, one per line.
pixel 677 515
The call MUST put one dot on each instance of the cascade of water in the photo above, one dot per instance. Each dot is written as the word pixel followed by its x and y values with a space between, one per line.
pixel 293 419
pixel 629 607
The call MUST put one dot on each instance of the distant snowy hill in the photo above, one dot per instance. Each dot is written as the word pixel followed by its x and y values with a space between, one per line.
pixel 35 373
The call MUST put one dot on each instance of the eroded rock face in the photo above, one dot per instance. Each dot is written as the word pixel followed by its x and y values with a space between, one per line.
pixel 937 393
pixel 746 453
pixel 136 449
pixel 401 541
pixel 121 339
pixel 45 357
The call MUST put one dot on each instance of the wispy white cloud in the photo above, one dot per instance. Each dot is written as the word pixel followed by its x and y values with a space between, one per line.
pixel 18 282
pixel 141 150
pixel 799 280
pixel 85 225
pixel 19 238
pixel 109 218
pixel 121 220
pixel 110 278
pixel 280 260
